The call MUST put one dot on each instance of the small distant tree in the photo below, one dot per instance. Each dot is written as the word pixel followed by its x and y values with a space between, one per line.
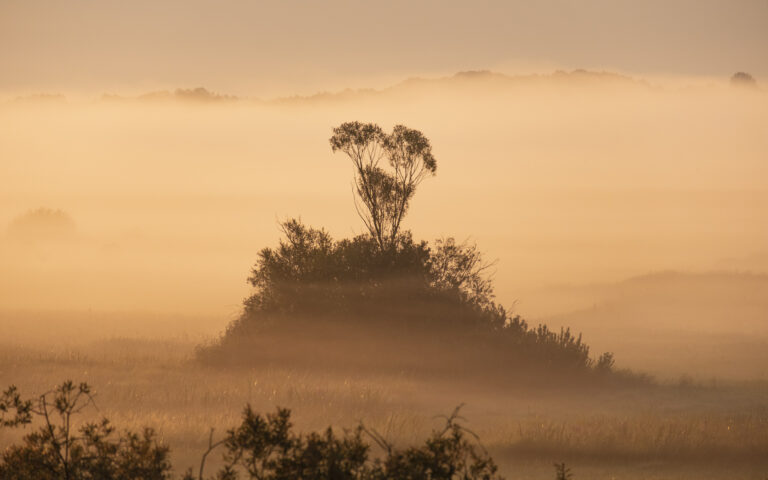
pixel 743 79
pixel 385 194
pixel 562 472
pixel 605 363
pixel 42 224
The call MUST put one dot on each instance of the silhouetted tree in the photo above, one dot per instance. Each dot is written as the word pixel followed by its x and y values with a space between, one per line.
pixel 58 451
pixel 14 410
pixel 309 272
pixel 259 448
pixel 266 448
pixel 382 288
pixel 385 195
pixel 42 224
pixel 605 362
pixel 743 79
pixel 562 472
pixel 460 268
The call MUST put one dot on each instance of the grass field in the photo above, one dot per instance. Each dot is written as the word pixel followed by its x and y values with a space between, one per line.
pixel 676 430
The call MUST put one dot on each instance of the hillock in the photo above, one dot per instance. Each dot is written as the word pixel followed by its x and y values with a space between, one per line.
pixel 383 300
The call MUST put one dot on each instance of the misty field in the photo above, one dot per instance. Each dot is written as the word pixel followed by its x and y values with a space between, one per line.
pixel 412 240
pixel 670 430
pixel 586 274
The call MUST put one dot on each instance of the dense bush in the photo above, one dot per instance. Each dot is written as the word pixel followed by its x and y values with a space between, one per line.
pixel 58 451
pixel 266 448
pixel 439 295
pixel 310 274
pixel 260 447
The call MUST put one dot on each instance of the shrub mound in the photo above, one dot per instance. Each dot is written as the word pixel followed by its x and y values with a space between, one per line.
pixel 414 306
pixel 383 300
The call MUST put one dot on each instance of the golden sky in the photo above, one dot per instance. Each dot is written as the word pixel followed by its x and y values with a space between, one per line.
pixel 565 178
pixel 265 48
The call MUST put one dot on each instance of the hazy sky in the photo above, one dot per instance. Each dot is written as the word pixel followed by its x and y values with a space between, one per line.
pixel 281 47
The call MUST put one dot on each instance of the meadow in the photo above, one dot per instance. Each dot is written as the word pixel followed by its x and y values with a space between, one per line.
pixel 579 184
pixel 682 429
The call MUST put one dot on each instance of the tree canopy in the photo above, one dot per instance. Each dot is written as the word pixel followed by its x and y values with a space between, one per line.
pixel 385 194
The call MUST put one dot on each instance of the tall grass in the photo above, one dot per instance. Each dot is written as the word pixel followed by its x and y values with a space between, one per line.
pixel 154 383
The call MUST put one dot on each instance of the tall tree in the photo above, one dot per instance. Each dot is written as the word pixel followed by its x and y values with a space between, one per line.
pixel 384 194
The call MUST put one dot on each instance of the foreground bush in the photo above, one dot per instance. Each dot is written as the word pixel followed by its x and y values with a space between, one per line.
pixel 58 451
pixel 266 448
pixel 261 447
